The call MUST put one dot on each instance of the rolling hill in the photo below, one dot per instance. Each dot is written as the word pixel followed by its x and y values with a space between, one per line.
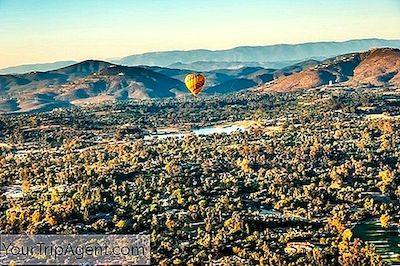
pixel 122 83
pixel 11 85
pixel 93 81
pixel 376 67
pixel 224 78
pixel 379 67
pixel 84 82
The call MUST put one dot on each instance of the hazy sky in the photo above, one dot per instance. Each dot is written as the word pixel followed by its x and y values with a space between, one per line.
pixel 33 31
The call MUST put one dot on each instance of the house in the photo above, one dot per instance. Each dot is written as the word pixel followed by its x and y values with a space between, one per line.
pixel 298 247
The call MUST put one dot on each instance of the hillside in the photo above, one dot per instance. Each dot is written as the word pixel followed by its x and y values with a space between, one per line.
pixel 122 83
pixel 84 82
pixel 380 67
pixel 376 67
pixel 82 69
pixel 218 76
pixel 11 85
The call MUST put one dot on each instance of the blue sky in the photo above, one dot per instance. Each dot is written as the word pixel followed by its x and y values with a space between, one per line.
pixel 34 31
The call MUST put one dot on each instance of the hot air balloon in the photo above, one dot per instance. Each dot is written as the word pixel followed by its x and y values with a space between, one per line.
pixel 195 83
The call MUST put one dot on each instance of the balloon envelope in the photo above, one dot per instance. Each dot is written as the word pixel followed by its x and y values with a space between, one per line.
pixel 195 83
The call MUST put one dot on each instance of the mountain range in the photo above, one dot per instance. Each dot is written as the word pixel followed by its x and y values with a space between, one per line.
pixel 93 81
pixel 268 56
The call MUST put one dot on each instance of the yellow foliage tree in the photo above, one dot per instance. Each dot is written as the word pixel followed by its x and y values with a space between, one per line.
pixel 54 196
pixel 121 224
pixel 387 178
pixel 25 185
pixel 50 219
pixel 11 216
pixel 244 165
pixel 346 235
pixel 36 217
pixel 177 261
pixel 385 126
pixel 336 224
pixel 385 220
pixel 170 223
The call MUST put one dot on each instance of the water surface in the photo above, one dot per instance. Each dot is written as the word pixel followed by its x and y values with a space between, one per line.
pixel 386 241
pixel 198 131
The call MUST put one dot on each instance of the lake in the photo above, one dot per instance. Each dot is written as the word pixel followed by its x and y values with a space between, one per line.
pixel 386 241
pixel 198 131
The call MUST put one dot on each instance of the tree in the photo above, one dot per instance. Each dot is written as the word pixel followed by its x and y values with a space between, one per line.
pixel 387 178
pixel 347 234
pixel 336 224
pixel 121 224
pixel 385 126
pixel 170 223
pixel 244 165
pixel 54 196
pixel 384 220
pixel 25 184
pixel 36 217
pixel 50 219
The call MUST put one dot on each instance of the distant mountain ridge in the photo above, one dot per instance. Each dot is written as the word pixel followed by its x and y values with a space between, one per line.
pixel 268 56
pixel 260 54
pixel 35 67
pixel 202 66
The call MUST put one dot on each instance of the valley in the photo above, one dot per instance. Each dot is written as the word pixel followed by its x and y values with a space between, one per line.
pixel 200 133
pixel 250 178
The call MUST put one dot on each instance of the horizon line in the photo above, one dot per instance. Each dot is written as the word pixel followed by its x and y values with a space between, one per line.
pixel 108 59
